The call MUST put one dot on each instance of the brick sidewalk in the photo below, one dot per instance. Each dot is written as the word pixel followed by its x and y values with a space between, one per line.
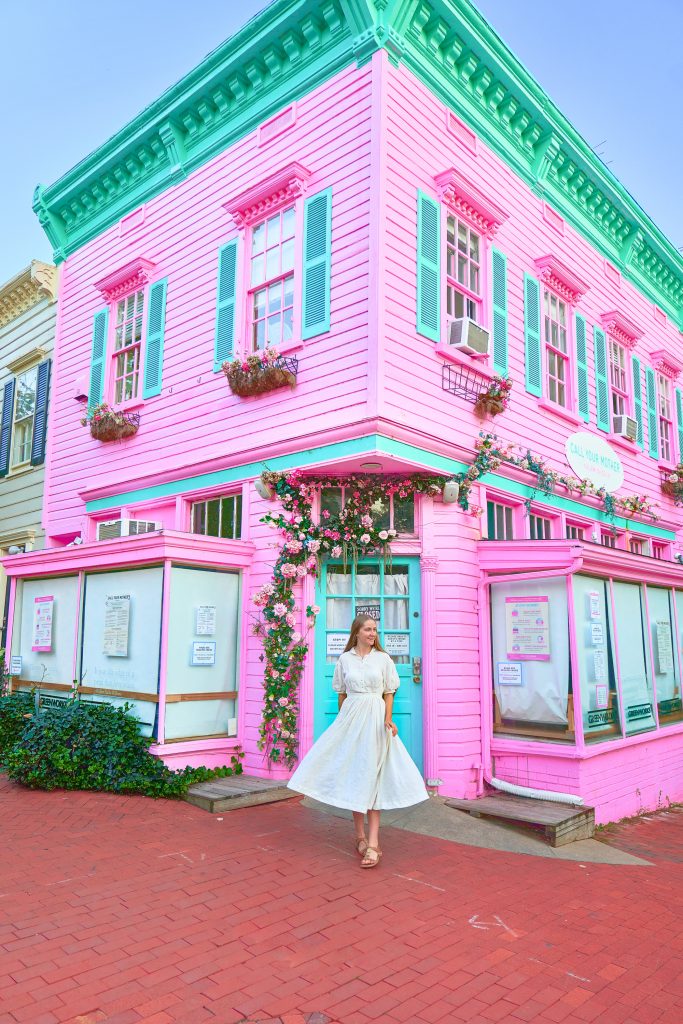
pixel 122 910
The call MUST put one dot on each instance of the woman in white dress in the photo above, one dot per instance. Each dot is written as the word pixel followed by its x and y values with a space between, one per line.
pixel 360 763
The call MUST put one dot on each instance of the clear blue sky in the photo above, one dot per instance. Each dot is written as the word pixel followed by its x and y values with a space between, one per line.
pixel 72 72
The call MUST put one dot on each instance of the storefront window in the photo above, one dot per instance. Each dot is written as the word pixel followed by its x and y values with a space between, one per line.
pixel 531 665
pixel 662 631
pixel 633 657
pixel 595 659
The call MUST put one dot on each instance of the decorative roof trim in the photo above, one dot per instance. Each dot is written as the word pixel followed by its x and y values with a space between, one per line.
pixel 466 200
pixel 129 278
pixel 274 191
pixel 666 363
pixel 621 328
pixel 31 286
pixel 28 360
pixel 558 276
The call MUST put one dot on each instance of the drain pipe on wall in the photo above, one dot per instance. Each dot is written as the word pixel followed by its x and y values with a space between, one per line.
pixel 485 770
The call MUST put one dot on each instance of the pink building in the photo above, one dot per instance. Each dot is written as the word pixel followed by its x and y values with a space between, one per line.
pixel 392 204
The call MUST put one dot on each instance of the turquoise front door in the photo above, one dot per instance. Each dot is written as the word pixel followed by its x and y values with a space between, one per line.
pixel 390 594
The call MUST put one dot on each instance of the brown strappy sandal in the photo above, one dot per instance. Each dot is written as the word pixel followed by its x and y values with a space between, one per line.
pixel 366 863
pixel 361 845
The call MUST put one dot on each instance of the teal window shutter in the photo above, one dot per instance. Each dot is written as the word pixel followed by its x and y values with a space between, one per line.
pixel 315 301
pixel 679 423
pixel 98 356
pixel 40 418
pixel 532 335
pixel 428 267
pixel 224 339
pixel 500 311
pixel 638 401
pixel 154 345
pixel 582 368
pixel 601 387
pixel 6 426
pixel 652 431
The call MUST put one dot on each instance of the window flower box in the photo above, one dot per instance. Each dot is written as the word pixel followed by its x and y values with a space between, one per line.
pixel 495 399
pixel 107 424
pixel 262 372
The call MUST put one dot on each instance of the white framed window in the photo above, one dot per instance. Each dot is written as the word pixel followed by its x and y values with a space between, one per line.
pixel 500 520
pixel 637 546
pixel 556 340
pixel 125 361
pixel 665 416
pixel 540 527
pixel 464 258
pixel 574 531
pixel 271 280
pixel 23 420
pixel 219 516
pixel 618 379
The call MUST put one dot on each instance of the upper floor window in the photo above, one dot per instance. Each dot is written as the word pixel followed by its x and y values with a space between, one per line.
pixel 218 517
pixel 575 532
pixel 540 528
pixel 463 271
pixel 128 341
pixel 24 416
pixel 271 280
pixel 556 339
pixel 665 416
pixel 637 546
pixel 500 521
pixel 618 379
pixel 397 513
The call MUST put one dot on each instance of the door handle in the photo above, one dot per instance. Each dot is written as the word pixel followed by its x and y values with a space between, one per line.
pixel 417 670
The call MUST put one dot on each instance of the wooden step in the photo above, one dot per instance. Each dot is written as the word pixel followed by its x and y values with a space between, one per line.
pixel 559 823
pixel 237 791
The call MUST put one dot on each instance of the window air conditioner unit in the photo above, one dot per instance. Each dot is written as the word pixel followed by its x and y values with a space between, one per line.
pixel 125 528
pixel 626 426
pixel 468 336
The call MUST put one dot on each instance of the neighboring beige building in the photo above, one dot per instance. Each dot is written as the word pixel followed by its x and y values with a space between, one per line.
pixel 27 328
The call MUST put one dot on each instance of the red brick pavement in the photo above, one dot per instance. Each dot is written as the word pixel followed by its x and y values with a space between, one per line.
pixel 122 910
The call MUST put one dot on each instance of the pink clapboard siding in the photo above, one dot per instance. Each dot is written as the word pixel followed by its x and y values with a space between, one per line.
pixel 196 418
pixel 419 147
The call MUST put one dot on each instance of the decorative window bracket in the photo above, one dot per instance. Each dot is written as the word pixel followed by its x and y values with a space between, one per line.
pixel 272 193
pixel 666 364
pixel 621 328
pixel 130 278
pixel 468 202
pixel 561 279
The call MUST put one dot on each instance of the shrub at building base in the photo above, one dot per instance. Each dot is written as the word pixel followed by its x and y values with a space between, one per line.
pixel 97 746
pixel 14 707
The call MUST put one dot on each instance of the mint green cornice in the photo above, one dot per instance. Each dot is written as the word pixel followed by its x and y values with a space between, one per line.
pixel 293 46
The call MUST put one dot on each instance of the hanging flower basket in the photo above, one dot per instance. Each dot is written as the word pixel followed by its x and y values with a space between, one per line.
pixel 107 424
pixel 672 483
pixel 265 371
pixel 495 399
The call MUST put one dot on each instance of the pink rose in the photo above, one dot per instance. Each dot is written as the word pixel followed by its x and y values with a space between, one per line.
pixel 301 571
pixel 336 551
pixel 296 637
pixel 294 546
pixel 288 570
pixel 366 521
pixel 365 538
pixel 314 546
pixel 315 608
pixel 290 619
pixel 280 609
pixel 283 702
pixel 383 535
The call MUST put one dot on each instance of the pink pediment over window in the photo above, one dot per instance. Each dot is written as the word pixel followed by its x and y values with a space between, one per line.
pixel 271 193
pixel 130 278
pixel 621 328
pixel 468 202
pixel 561 278
pixel 666 364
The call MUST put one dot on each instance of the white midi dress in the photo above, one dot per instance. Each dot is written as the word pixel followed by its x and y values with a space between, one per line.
pixel 357 764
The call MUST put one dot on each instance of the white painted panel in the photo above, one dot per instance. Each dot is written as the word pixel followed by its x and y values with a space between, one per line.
pixel 55 666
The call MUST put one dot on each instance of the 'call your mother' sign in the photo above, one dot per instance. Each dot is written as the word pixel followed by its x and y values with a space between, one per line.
pixel 592 458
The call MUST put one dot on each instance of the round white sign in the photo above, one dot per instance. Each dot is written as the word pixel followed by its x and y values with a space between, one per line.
pixel 592 458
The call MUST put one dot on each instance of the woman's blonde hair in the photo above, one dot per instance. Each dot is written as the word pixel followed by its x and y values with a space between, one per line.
pixel 359 621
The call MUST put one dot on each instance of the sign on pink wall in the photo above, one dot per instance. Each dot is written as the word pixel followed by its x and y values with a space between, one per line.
pixel 528 628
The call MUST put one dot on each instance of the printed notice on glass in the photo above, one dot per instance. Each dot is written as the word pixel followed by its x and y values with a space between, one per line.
pixel 336 642
pixel 397 643
pixel 601 696
pixel 116 625
pixel 43 613
pixel 599 666
pixel 15 665
pixel 664 646
pixel 203 653
pixel 509 673
pixel 527 625
pixel 594 604
pixel 371 611
pixel 597 634
pixel 205 620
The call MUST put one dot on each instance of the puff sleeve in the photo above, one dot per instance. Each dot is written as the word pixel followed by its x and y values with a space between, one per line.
pixel 391 680
pixel 338 680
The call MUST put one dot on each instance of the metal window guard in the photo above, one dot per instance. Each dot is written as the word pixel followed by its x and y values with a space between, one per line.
pixel 464 381
pixel 290 363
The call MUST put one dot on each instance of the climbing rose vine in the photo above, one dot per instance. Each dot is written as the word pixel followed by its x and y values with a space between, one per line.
pixel 354 531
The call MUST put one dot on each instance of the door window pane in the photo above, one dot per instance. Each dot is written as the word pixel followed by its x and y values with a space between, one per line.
pixel 633 658
pixel 595 660
pixel 662 632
